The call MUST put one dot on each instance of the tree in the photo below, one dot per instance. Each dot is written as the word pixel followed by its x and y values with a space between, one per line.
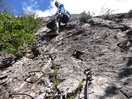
pixel 4 7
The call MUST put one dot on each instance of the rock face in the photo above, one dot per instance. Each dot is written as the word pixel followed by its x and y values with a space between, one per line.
pixel 56 70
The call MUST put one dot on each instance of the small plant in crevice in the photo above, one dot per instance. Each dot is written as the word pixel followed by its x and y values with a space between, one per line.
pixel 79 88
pixel 85 16
pixel 76 92
pixel 54 75
pixel 55 66
pixel 71 97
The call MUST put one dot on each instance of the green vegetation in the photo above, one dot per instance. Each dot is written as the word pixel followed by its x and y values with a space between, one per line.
pixel 84 17
pixel 71 97
pixel 4 8
pixel 105 12
pixel 129 14
pixel 15 32
pixel 80 86
pixel 129 31
pixel 55 66
pixel 77 91
pixel 54 75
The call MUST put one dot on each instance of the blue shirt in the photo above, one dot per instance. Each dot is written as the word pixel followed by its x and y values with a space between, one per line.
pixel 61 9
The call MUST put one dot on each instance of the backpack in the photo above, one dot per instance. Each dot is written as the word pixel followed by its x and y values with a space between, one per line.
pixel 51 24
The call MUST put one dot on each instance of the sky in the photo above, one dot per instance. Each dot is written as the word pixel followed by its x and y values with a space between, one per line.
pixel 46 7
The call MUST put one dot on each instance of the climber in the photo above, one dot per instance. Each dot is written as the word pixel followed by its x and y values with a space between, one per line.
pixel 61 16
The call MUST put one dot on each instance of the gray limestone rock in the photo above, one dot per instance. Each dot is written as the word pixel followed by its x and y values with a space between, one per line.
pixel 57 67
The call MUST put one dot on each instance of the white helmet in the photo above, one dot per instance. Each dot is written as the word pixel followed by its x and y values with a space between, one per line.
pixel 57 3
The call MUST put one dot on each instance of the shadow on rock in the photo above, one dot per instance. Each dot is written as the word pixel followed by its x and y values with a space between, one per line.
pixel 35 50
pixel 124 45
pixel 125 72
pixel 129 63
pixel 49 36
pixel 67 27
pixel 110 91
pixel 6 61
